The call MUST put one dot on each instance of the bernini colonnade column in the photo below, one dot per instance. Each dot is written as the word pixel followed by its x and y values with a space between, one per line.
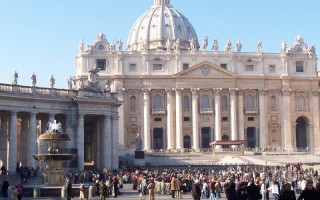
pixel 80 142
pixel 107 144
pixel 12 157
pixel 169 119
pixel 195 128
pixel 146 118
pixel 178 119
pixel 33 139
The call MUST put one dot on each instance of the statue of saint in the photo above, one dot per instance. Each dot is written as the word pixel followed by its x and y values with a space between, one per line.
pixel 192 44
pixel 259 47
pixel 138 141
pixel 177 45
pixel 81 44
pixel 33 80
pixel 205 43
pixel 70 83
pixel 119 44
pixel 228 47
pixel 283 47
pixel 215 45
pixel 239 46
pixel 52 81
pixel 168 45
pixel 108 84
pixel 15 78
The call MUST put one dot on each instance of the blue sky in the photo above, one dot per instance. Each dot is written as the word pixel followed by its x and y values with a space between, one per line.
pixel 42 36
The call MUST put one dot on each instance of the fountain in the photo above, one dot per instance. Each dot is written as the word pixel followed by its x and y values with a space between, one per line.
pixel 53 172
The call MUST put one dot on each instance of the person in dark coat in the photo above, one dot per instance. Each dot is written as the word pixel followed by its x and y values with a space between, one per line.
pixel 253 191
pixel 231 191
pixel 310 193
pixel 69 189
pixel 4 188
pixel 241 193
pixel 196 191
pixel 287 193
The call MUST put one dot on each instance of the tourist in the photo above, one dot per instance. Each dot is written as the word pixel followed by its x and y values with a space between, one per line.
pixel 178 186
pixel 310 193
pixel 102 190
pixel 253 190
pixel 275 190
pixel 173 188
pixel 151 188
pixel 241 193
pixel 69 189
pixel 3 170
pixel 212 189
pixel 287 193
pixel 4 188
pixel 139 188
pixel 14 193
pixel 82 191
pixel 231 190
pixel 20 191
pixel 196 191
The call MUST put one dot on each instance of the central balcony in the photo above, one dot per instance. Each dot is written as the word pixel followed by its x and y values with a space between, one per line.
pixel 206 111
pixel 158 111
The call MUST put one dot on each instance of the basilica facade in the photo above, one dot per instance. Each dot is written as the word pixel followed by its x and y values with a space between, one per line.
pixel 179 93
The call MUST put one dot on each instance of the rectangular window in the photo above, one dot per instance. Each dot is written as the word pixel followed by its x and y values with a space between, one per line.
pixel 272 68
pixel 185 66
pixel 249 68
pixel 157 67
pixel 224 66
pixel 299 66
pixel 224 119
pixel 101 64
pixel 158 119
pixel 186 119
pixel 133 67
pixel 250 119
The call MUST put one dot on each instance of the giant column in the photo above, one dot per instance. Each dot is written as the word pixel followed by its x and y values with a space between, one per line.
pixel 80 141
pixel 106 143
pixel 286 119
pixel 233 114
pixel 122 139
pixel 32 139
pixel 12 157
pixel 263 132
pixel 146 119
pixel 195 116
pixel 178 119
pixel 169 119
pixel 315 113
pixel 115 144
pixel 217 119
pixel 241 115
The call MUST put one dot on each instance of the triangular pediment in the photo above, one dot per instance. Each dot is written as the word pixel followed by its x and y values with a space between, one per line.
pixel 205 69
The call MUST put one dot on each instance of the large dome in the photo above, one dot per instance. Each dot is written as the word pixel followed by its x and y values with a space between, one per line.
pixel 159 26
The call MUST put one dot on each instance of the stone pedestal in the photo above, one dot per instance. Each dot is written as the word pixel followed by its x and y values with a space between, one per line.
pixel 139 158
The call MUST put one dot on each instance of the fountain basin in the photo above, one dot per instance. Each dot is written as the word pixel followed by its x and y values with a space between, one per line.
pixel 48 137
pixel 55 157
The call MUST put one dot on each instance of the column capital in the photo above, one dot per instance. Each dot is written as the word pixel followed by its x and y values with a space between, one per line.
pixel 195 91
pixel 12 112
pixel 169 91
pixel 240 92
pixel 314 92
pixel 286 91
pixel 146 91
pixel 178 90
pixel 262 92
pixel 107 116
pixel 115 117
pixel 217 91
pixel 233 91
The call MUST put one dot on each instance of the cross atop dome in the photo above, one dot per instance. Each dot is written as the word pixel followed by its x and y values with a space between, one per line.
pixel 162 2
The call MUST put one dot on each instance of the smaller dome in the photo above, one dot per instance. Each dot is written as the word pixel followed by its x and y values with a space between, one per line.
pixel 160 28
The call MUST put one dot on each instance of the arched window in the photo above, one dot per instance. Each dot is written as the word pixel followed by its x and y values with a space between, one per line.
pixel 205 101
pixel 301 103
pixel 250 101
pixel 133 102
pixel 224 103
pixel 186 103
pixel 273 103
pixel 157 102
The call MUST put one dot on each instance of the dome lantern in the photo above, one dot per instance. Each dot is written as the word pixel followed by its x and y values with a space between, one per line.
pixel 162 2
